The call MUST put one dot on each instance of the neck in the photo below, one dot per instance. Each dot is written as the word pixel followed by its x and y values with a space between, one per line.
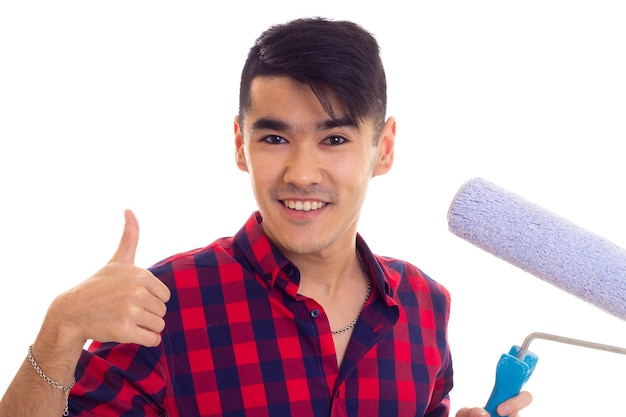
pixel 329 277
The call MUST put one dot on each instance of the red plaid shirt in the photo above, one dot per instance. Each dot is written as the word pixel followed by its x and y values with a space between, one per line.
pixel 240 341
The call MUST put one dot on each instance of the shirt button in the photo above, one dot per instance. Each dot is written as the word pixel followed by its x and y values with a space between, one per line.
pixel 315 313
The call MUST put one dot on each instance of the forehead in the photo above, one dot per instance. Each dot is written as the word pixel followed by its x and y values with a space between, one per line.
pixel 268 93
pixel 293 103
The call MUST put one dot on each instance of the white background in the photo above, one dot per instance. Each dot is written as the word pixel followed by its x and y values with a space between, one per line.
pixel 129 104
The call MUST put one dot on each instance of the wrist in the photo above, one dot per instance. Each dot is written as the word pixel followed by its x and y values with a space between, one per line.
pixel 58 345
pixel 61 327
pixel 51 382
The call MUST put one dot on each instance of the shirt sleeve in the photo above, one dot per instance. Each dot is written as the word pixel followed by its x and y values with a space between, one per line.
pixel 119 380
pixel 440 402
pixel 440 399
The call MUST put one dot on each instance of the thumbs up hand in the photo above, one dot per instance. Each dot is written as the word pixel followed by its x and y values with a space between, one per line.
pixel 120 303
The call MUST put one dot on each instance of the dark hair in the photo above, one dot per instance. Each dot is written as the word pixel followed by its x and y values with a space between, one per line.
pixel 329 56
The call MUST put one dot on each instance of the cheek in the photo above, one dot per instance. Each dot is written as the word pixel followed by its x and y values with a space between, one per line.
pixel 263 171
pixel 353 170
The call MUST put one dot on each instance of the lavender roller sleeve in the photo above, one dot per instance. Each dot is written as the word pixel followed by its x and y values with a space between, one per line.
pixel 541 243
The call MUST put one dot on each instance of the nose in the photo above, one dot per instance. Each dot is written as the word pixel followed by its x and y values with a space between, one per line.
pixel 303 167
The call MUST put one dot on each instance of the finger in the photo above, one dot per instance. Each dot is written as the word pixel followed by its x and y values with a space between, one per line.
pixel 127 247
pixel 515 404
pixel 158 289
pixel 151 323
pixel 472 412
pixel 155 306
pixel 145 337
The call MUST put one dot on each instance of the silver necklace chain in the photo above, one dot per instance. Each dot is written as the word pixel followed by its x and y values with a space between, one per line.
pixel 367 296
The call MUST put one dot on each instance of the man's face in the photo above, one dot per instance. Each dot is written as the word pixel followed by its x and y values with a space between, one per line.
pixel 309 173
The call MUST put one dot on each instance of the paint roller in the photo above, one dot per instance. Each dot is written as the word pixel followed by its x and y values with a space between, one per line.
pixel 548 246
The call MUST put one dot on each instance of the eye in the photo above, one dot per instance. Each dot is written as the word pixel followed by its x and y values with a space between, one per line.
pixel 274 139
pixel 334 140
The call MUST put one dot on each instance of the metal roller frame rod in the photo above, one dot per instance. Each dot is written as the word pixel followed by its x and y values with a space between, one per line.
pixel 554 338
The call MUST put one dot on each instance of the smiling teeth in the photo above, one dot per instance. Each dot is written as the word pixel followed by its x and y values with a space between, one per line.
pixel 303 205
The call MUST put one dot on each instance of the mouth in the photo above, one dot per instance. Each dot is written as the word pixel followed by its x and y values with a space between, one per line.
pixel 307 205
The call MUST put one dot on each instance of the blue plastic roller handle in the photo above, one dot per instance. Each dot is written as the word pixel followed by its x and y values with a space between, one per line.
pixel 511 375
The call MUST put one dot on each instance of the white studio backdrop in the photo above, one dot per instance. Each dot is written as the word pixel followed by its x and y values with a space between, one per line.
pixel 112 105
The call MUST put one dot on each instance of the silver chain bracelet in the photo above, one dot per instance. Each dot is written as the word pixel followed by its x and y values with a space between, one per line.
pixel 52 383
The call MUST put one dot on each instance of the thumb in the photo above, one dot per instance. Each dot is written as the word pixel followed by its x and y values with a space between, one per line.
pixel 127 248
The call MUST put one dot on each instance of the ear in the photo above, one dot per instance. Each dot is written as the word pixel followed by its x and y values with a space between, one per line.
pixel 240 154
pixel 386 143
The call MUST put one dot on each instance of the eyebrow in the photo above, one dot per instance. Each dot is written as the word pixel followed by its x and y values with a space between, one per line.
pixel 340 122
pixel 268 123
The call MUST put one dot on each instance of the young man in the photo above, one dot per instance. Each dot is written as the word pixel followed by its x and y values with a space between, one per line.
pixel 294 315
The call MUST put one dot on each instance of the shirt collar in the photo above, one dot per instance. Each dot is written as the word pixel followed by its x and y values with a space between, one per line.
pixel 273 268
pixel 384 280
